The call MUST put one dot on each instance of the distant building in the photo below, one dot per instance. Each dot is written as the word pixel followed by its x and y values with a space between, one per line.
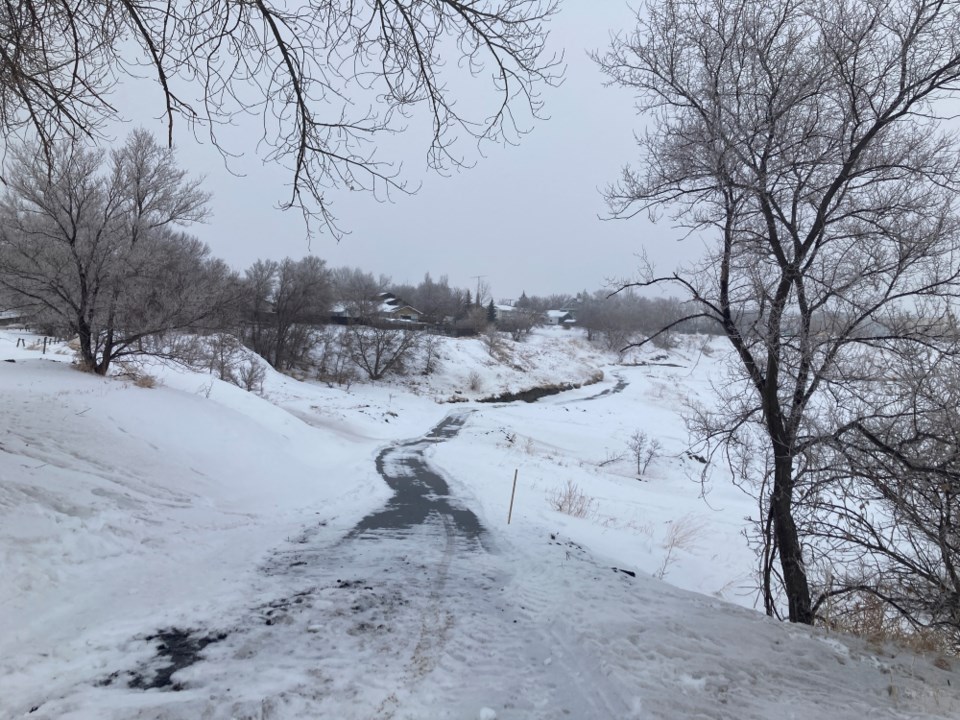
pixel 11 317
pixel 558 317
pixel 393 308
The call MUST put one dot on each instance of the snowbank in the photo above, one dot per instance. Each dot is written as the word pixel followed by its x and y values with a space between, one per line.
pixel 195 509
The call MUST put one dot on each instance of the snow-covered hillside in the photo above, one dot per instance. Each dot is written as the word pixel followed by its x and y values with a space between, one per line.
pixel 199 534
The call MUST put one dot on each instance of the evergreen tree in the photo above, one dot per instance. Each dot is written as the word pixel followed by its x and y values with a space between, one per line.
pixel 463 308
pixel 491 312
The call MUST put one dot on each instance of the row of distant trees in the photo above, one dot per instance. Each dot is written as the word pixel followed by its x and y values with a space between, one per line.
pixel 626 318
pixel 92 245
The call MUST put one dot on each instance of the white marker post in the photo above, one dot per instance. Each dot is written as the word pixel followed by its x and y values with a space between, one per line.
pixel 512 495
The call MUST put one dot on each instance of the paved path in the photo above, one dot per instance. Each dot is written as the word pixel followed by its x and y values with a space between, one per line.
pixel 420 492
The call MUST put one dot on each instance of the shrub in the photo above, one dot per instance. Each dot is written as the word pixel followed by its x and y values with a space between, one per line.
pixel 571 500
pixel 474 381
pixel 665 341
pixel 132 372
pixel 682 535
pixel 333 357
pixel 250 376
pixel 644 450
pixel 143 380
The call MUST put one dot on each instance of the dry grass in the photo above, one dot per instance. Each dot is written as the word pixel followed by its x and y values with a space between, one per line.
pixel 595 377
pixel 682 535
pixel 132 372
pixel 868 617
pixel 570 499
pixel 143 380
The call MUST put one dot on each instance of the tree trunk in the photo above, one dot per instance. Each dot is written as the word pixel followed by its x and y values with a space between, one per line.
pixel 279 350
pixel 87 359
pixel 101 367
pixel 788 542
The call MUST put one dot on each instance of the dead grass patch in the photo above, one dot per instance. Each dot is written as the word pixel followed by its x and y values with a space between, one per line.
pixel 570 499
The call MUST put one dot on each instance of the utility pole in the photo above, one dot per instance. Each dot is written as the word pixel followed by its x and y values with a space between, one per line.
pixel 477 298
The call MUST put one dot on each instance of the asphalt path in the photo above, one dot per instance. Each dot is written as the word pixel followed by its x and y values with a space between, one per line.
pixel 421 494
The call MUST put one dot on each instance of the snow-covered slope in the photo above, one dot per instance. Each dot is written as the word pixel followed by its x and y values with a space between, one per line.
pixel 194 512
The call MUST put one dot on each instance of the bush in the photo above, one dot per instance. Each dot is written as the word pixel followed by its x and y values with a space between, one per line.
pixel 431 353
pixel 665 341
pixel 644 450
pixel 220 354
pixel 143 380
pixel 135 374
pixel 333 357
pixel 571 500
pixel 250 376
pixel 682 535
pixel 493 342
pixel 475 382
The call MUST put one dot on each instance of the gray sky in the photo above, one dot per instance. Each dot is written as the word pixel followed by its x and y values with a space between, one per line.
pixel 526 217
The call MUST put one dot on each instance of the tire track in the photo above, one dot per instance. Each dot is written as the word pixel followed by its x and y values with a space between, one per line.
pixel 422 498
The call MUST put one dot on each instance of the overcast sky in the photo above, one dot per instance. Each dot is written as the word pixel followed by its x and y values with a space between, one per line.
pixel 525 217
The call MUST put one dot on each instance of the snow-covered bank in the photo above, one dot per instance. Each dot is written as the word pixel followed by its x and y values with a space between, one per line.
pixel 124 508
pixel 194 505
pixel 661 525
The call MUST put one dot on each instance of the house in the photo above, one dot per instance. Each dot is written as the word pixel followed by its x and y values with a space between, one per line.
pixel 340 314
pixel 558 317
pixel 381 307
pixel 12 317
pixel 393 308
pixel 407 313
pixel 504 311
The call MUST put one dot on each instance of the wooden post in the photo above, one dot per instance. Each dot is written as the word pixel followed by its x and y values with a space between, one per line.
pixel 512 495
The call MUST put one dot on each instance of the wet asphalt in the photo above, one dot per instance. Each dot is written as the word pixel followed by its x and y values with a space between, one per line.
pixel 420 493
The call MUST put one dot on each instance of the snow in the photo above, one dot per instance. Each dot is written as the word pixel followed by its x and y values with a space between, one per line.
pixel 214 522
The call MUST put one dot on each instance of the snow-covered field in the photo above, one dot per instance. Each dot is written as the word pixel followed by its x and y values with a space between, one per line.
pixel 196 524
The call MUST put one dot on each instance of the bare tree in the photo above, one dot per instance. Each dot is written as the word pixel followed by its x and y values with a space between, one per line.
pixel 380 350
pixel 518 322
pixel 484 294
pixel 225 356
pixel 549 302
pixel 286 301
pixel 614 321
pixel 86 242
pixel 802 138
pixel 357 292
pixel 325 77
pixel 894 523
pixel 431 353
pixel 435 299
pixel 333 357
pixel 493 342
pixel 644 450
pixel 259 281
pixel 301 301
pixel 473 320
